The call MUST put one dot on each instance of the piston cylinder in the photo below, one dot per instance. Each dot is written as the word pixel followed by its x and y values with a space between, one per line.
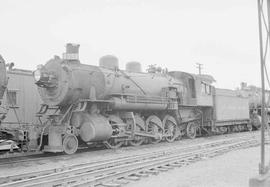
pixel 95 128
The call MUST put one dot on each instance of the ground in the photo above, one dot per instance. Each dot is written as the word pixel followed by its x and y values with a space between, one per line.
pixel 232 169
pixel 95 155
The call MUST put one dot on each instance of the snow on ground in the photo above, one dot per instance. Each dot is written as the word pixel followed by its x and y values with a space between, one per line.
pixel 232 169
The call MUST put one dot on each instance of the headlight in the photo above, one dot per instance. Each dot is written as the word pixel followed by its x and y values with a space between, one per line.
pixel 37 75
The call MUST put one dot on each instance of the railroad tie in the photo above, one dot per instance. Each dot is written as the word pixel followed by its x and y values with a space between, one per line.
pixel 111 184
pixel 58 170
pixel 152 171
pixel 168 166
pixel 142 174
pixel 161 168
pixel 185 164
pixel 197 159
pixel 176 164
pixel 192 159
pixel 132 178
pixel 181 161
pixel 121 181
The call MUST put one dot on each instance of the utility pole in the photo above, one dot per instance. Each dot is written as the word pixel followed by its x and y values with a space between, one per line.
pixel 263 54
pixel 263 179
pixel 199 66
pixel 262 163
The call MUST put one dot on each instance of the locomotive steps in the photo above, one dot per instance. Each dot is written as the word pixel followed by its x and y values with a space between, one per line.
pixel 125 169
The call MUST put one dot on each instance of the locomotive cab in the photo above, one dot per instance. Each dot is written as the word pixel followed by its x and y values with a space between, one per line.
pixel 199 89
pixel 204 90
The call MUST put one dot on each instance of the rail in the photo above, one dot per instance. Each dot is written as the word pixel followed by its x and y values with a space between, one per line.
pixel 128 167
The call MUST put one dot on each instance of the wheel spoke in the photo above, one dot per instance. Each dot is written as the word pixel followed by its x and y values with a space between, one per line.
pixel 70 144
pixel 170 128
pixel 113 143
pixel 191 130
pixel 153 126
pixel 139 127
pixel 249 127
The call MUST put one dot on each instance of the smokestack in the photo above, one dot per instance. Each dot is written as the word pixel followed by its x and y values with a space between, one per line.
pixel 72 52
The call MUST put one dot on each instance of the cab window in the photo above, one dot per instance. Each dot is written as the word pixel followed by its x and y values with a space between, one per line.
pixel 205 88
pixel 192 87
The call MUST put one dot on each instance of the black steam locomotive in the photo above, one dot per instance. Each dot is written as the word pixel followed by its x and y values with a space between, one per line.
pixel 103 104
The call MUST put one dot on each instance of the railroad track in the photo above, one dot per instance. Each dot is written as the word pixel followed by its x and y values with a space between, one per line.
pixel 117 171
pixel 12 159
pixel 40 156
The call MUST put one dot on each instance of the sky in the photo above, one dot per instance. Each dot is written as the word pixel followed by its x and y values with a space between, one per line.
pixel 176 34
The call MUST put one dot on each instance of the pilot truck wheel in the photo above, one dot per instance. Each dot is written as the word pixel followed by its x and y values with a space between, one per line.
pixel 70 144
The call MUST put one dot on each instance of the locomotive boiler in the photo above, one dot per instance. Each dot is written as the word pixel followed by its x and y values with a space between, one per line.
pixel 86 104
pixel 102 103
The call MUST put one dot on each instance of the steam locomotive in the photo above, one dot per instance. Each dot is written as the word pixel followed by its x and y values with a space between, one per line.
pixel 103 104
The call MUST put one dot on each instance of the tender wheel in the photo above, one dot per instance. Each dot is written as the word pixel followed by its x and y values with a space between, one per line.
pixel 139 127
pixel 191 130
pixel 249 127
pixel 70 144
pixel 113 143
pixel 240 128
pixel 154 126
pixel 236 129
pixel 170 128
